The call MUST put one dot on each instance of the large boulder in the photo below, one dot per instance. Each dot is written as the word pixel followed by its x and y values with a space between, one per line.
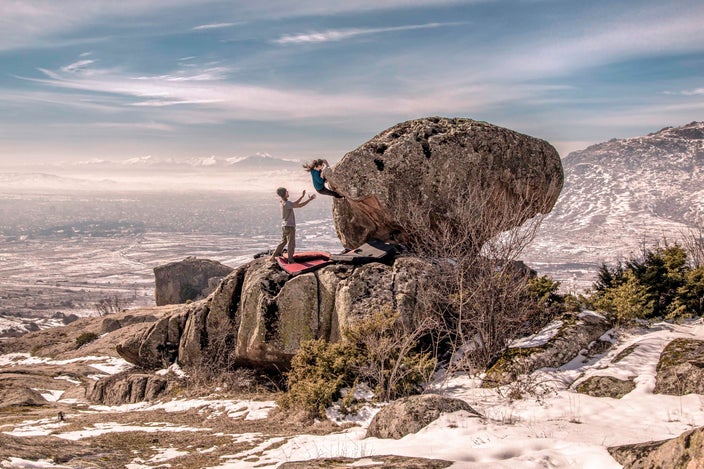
pixel 410 414
pixel 680 370
pixel 432 175
pixel 259 314
pixel 189 279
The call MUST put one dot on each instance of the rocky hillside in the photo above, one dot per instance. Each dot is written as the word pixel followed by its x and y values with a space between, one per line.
pixel 619 193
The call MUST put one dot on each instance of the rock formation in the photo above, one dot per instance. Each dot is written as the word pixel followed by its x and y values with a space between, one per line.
pixel 259 315
pixel 438 174
pixel 410 414
pixel 686 452
pixel 575 335
pixel 127 387
pixel 189 279
pixel 680 370
pixel 606 386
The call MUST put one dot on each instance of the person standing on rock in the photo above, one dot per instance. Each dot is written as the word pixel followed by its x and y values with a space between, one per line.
pixel 316 168
pixel 288 223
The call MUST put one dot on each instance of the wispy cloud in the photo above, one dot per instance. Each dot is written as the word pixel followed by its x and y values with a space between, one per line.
pixel 77 66
pixel 342 34
pixel 214 26
pixel 208 93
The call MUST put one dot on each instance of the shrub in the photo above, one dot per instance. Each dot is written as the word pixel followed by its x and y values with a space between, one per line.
pixel 85 338
pixel 661 283
pixel 378 350
pixel 392 364
pixel 318 372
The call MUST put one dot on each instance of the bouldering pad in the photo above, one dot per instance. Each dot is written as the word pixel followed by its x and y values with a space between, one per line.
pixel 304 262
pixel 373 250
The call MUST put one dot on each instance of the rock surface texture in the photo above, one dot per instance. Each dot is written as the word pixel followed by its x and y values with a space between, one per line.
pixel 410 414
pixel 189 279
pixel 259 315
pixel 685 452
pixel 443 174
pixel 576 334
pixel 680 370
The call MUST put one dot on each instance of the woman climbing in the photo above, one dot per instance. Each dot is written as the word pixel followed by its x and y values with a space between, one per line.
pixel 316 168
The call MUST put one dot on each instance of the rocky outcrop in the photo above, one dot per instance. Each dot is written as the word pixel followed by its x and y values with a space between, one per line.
pixel 126 388
pixel 573 335
pixel 438 174
pixel 189 279
pixel 259 315
pixel 685 452
pixel 410 414
pixel 19 396
pixel 680 370
pixel 606 386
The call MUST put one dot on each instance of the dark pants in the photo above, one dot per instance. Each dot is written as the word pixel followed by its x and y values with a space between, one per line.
pixel 326 191
pixel 288 239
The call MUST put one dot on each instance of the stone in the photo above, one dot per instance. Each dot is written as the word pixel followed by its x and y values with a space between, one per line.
pixel 410 414
pixel 126 388
pixel 606 386
pixel 259 315
pixel 20 396
pixel 684 452
pixel 189 279
pixel 575 334
pixel 680 369
pixel 435 174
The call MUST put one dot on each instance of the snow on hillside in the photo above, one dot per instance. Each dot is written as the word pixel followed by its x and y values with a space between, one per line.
pixel 618 195
pixel 561 429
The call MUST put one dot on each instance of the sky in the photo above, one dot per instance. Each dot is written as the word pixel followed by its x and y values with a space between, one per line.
pixel 98 79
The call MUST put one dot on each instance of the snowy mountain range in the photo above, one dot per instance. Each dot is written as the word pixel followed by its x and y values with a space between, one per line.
pixel 621 194
pixel 257 161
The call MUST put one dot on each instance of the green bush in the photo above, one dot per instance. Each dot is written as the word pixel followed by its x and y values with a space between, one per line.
pixel 660 284
pixel 85 338
pixel 318 372
pixel 378 350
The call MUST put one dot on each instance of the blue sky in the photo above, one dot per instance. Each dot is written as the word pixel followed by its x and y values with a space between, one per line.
pixel 84 79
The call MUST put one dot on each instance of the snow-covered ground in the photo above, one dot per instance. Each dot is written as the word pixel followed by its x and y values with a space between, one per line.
pixel 559 428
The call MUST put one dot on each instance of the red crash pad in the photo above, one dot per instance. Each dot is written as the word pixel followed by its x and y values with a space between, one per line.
pixel 304 262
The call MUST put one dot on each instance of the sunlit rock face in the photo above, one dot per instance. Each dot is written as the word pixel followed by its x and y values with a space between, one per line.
pixel 435 173
pixel 259 315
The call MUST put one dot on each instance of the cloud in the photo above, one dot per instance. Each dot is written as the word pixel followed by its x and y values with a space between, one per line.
pixel 77 66
pixel 693 92
pixel 342 34
pixel 214 26
pixel 206 96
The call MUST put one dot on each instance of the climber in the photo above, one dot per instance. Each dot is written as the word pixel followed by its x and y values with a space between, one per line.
pixel 316 169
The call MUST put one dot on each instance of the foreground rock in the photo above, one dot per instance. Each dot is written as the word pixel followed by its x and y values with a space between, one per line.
pixel 126 388
pixel 189 279
pixel 410 414
pixel 572 335
pixel 606 386
pixel 434 174
pixel 686 452
pixel 680 370
pixel 259 315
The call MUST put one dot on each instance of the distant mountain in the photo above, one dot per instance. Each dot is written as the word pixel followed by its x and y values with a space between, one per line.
pixel 622 193
pixel 21 181
pixel 252 162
